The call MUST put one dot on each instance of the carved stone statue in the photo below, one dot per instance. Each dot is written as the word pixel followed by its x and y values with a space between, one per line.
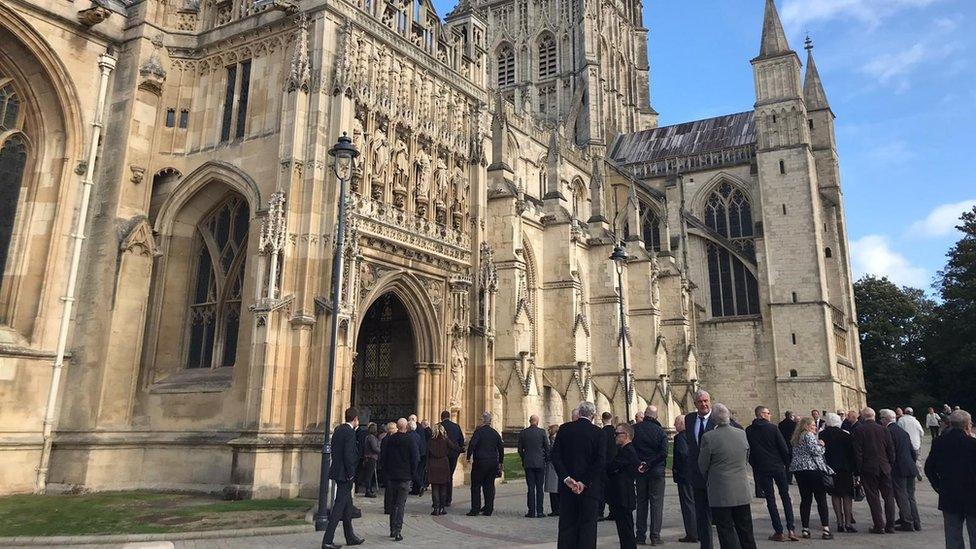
pixel 458 366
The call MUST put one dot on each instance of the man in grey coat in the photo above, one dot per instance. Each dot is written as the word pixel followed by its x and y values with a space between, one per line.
pixel 724 461
pixel 533 448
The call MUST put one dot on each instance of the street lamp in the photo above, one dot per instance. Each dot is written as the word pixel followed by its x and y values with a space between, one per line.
pixel 345 154
pixel 619 257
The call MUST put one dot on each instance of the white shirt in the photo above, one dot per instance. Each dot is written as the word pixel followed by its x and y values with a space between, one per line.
pixel 698 422
pixel 932 420
pixel 913 428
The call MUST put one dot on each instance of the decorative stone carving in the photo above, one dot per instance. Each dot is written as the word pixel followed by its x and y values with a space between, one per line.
pixel 94 15
pixel 151 73
pixel 139 239
pixel 272 239
pixel 459 363
pixel 300 76
pixel 138 174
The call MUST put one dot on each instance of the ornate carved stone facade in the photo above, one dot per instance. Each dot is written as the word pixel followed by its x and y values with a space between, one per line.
pixel 505 150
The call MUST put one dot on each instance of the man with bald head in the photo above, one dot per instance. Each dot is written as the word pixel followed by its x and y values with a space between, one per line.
pixel 874 454
pixel 533 448
pixel 486 454
pixel 399 459
pixel 651 445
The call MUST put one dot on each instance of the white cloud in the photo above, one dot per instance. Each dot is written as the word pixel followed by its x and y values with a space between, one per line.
pixel 872 254
pixel 894 69
pixel 942 220
pixel 797 14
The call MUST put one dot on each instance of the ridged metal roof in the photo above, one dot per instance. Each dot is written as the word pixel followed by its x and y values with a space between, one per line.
pixel 689 138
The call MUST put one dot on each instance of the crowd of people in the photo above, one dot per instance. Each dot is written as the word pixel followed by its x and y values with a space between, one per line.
pixel 602 469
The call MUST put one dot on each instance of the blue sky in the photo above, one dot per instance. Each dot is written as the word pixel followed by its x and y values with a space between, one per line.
pixel 900 76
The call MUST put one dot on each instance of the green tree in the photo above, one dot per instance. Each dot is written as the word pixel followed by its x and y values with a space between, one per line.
pixel 950 342
pixel 892 323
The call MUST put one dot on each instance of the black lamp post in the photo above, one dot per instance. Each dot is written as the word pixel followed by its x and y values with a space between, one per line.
pixel 619 257
pixel 345 154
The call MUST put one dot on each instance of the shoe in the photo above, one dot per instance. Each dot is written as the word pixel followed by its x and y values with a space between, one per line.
pixel 554 514
pixel 792 536
pixel 889 530
pixel 687 539
pixel 850 529
pixel 656 542
pixel 826 535
pixel 474 513
pixel 917 526
pixel 778 537
pixel 805 533
pixel 530 515
pixel 853 521
pixel 398 537
pixel 331 546
pixel 874 530
pixel 370 495
pixel 356 541
pixel 435 512
pixel 642 542
pixel 486 513
pixel 906 528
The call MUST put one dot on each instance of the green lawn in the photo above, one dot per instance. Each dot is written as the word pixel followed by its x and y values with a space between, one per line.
pixel 513 465
pixel 140 513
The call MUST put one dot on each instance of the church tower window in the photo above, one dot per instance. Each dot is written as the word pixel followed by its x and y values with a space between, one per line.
pixel 506 66
pixel 236 94
pixel 215 304
pixel 650 227
pixel 547 56
pixel 13 162
pixel 734 290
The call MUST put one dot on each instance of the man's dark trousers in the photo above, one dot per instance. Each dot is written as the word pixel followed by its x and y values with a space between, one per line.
pixel 577 520
pixel 341 511
pixel 399 489
pixel 686 498
pixel 953 526
pixel 650 495
pixel 452 459
pixel 625 526
pixel 766 482
pixel 703 515
pixel 483 480
pixel 734 526
pixel 877 489
pixel 535 478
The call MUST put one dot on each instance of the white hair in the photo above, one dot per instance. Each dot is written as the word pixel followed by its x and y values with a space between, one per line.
pixel 909 411
pixel 700 393
pixel 832 420
pixel 886 414
pixel 959 419
pixel 587 409
pixel 486 418
pixel 867 413
pixel 721 414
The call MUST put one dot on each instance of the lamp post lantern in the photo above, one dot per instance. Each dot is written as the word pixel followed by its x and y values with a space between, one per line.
pixel 619 257
pixel 345 154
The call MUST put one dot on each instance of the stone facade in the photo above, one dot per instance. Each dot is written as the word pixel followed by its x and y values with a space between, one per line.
pixel 505 151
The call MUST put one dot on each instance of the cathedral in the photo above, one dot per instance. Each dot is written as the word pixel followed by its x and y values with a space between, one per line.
pixel 168 227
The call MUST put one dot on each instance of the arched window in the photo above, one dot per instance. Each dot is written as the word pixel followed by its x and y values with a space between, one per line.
pixel 547 56
pixel 734 289
pixel 13 161
pixel 579 198
pixel 215 303
pixel 543 177
pixel 650 227
pixel 506 66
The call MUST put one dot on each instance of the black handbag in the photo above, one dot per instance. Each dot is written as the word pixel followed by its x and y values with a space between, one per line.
pixel 828 482
pixel 858 491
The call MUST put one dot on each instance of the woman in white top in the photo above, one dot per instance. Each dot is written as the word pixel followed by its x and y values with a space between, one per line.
pixel 932 422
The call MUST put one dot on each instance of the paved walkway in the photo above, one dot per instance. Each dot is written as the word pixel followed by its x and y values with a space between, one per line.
pixel 508 528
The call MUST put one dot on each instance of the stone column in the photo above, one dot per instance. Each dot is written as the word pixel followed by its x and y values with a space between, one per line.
pixel 423 388
pixel 436 393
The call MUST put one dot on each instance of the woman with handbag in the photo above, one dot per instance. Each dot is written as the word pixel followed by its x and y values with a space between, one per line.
pixel 839 456
pixel 812 475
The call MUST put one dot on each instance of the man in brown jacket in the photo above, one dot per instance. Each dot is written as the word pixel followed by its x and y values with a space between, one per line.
pixel 874 453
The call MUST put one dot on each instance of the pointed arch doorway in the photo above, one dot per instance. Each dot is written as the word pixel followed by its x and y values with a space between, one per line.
pixel 384 377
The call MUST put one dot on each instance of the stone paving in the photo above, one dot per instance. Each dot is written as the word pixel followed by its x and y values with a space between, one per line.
pixel 508 528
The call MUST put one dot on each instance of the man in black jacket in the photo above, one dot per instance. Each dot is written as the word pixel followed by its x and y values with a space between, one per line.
pixel 608 432
pixel 770 457
pixel 533 448
pixel 903 473
pixel 951 469
pixel 400 459
pixel 454 433
pixel 651 446
pixel 420 438
pixel 786 428
pixel 686 493
pixel 486 452
pixel 620 494
pixel 345 459
pixel 579 457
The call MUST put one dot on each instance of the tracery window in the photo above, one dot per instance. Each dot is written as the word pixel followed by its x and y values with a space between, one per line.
pixel 734 290
pixel 13 162
pixel 650 225
pixel 506 66
pixel 547 56
pixel 215 304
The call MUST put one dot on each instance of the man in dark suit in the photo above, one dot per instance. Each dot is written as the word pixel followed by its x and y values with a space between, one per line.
pixel 951 469
pixel 651 446
pixel 486 452
pixel 874 453
pixel 696 425
pixel 420 439
pixel 686 493
pixel 619 491
pixel 361 433
pixel 608 431
pixel 453 431
pixel 345 459
pixel 903 473
pixel 533 448
pixel 400 459
pixel 769 457
pixel 818 419
pixel 579 458
pixel 786 428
